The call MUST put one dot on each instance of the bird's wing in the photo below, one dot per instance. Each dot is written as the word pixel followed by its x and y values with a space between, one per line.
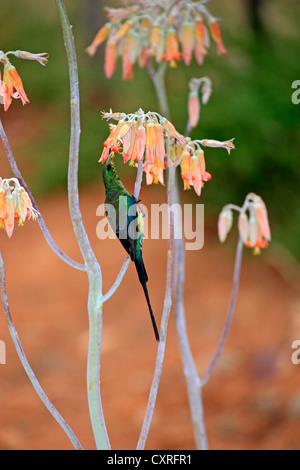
pixel 126 224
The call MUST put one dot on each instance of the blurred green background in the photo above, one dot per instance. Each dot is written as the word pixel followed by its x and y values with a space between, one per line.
pixel 251 101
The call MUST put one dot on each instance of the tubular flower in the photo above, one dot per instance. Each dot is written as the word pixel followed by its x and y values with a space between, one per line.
pixel 253 223
pixel 217 37
pixel 110 60
pixel 187 41
pixel 172 53
pixel 12 86
pixel 152 139
pixel 228 144
pixel 155 172
pixel 12 80
pixel 100 37
pixel 196 174
pixel 185 166
pixel 140 142
pixel 15 204
pixel 200 41
pixel 168 30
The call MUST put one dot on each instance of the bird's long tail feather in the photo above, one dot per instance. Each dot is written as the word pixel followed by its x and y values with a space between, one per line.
pixel 139 264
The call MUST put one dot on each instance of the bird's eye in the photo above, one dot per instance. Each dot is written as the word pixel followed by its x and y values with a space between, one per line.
pixel 109 167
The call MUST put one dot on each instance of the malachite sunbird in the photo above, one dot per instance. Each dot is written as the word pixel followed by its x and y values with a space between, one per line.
pixel 126 220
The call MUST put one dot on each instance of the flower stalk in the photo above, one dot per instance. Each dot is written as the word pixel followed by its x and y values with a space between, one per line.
pixel 93 269
pixel 165 318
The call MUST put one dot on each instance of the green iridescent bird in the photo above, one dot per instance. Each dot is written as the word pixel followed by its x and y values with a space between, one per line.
pixel 126 221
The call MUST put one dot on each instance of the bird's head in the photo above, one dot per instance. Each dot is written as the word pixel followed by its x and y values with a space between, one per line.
pixel 110 176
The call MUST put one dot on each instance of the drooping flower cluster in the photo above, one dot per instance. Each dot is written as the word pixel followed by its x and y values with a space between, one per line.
pixel 15 204
pixel 12 80
pixel 154 140
pixel 253 223
pixel 167 30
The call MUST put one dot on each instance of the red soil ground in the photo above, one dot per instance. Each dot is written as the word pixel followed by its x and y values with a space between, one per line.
pixel 253 398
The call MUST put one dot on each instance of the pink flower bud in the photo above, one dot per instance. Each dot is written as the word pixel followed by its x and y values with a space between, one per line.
pixel 253 229
pixel 243 227
pixel 9 221
pixel 194 108
pixel 224 224
pixel 262 218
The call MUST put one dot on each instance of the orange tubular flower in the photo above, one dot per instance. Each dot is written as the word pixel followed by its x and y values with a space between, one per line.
pixel 185 166
pixel 100 37
pixel 217 37
pixel 187 40
pixel 155 34
pixel 140 142
pixel 114 133
pixel 196 174
pixel 126 141
pixel 2 203
pixel 172 47
pixel 12 80
pixel 132 148
pixel 15 204
pixel 262 218
pixel 110 61
pixel 170 129
pixel 160 142
pixel 200 33
pixel 112 142
pixel 150 142
pixel 127 63
pixel 123 31
pixel 155 172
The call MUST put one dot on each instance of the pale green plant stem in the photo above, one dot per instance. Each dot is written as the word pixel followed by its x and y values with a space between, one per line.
pixel 190 372
pixel 189 368
pixel 164 321
pixel 234 292
pixel 95 300
pixel 13 332
pixel 158 79
pixel 118 281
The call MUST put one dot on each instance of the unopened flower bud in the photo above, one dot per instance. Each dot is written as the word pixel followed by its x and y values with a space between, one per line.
pixel 243 226
pixel 224 224
pixel 194 108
